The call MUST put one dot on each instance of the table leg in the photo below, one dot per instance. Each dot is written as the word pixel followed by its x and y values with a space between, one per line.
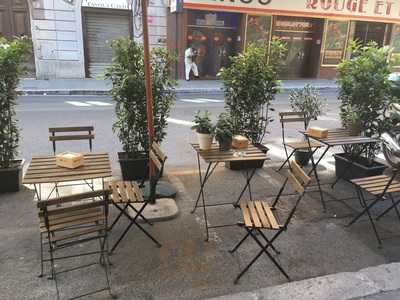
pixel 247 186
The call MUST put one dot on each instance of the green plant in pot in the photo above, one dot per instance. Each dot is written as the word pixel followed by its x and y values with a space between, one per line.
pixel 127 75
pixel 365 95
pixel 224 131
pixel 351 118
pixel 204 129
pixel 13 55
pixel 309 101
pixel 250 84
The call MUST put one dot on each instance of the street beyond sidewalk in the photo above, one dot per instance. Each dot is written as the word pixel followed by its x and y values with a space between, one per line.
pixel 102 87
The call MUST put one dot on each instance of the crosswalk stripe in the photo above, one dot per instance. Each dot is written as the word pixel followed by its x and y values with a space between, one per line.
pixel 78 103
pixel 201 100
pixel 99 103
pixel 180 122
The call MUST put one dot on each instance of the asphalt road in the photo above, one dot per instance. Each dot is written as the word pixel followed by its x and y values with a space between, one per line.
pixel 37 113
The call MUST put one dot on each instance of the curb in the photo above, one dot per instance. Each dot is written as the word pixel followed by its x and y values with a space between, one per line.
pixel 344 286
pixel 66 92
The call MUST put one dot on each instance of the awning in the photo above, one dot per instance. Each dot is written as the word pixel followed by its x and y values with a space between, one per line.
pixel 368 10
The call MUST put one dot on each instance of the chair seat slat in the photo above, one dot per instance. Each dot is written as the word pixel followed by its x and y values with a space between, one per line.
pixel 254 215
pixel 246 214
pixel 271 216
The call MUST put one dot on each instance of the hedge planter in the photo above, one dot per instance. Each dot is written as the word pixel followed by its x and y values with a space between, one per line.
pixel 11 178
pixel 358 169
pixel 248 164
pixel 302 157
pixel 225 145
pixel 134 168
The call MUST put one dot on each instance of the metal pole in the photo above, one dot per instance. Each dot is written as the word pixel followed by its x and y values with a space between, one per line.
pixel 147 72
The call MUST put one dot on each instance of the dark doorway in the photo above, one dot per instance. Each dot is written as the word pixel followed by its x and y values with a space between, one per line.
pixel 303 41
pixel 14 21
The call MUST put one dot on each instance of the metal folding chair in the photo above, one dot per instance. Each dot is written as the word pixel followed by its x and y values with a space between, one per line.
pixel 125 194
pixel 71 221
pixel 259 216
pixel 381 187
pixel 295 117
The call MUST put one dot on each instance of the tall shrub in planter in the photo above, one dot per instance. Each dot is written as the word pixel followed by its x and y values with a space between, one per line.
pixel 250 84
pixel 129 93
pixel 365 89
pixel 13 55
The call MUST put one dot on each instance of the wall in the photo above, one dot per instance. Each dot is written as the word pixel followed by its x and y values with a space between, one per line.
pixel 57 39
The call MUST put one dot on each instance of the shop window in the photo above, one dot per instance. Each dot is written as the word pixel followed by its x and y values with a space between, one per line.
pixel 335 42
pixel 395 44
pixel 258 29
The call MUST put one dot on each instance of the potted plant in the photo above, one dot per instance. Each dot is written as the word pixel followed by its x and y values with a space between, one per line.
pixel 365 94
pixel 127 75
pixel 309 101
pixel 224 131
pixel 250 84
pixel 204 129
pixel 13 55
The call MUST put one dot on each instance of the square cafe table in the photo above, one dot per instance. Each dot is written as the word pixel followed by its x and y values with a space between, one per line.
pixel 336 137
pixel 213 157
pixel 44 170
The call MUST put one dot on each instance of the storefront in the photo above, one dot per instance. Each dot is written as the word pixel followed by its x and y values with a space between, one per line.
pixel 317 32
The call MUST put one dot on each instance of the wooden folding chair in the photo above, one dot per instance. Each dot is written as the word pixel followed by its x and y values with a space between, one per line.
pixel 295 117
pixel 259 216
pixel 71 134
pixel 71 221
pixel 124 194
pixel 127 193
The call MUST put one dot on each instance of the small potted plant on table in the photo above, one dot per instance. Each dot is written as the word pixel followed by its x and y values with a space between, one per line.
pixel 250 84
pixel 309 101
pixel 204 129
pixel 224 131
pixel 129 93
pixel 13 55
pixel 365 94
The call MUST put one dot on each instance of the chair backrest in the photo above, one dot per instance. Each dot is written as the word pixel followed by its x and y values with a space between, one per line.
pixel 292 117
pixel 71 134
pixel 70 212
pixel 157 156
pixel 299 180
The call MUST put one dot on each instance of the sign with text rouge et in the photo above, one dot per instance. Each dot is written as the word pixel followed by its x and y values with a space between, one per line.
pixel 374 10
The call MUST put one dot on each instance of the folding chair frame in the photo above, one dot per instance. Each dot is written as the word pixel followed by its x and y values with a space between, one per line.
pixel 367 207
pixel 299 182
pixel 292 117
pixel 55 245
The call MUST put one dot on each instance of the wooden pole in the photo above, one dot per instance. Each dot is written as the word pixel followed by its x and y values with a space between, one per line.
pixel 147 73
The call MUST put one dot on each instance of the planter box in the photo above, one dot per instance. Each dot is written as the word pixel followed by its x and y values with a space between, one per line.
pixel 358 169
pixel 11 178
pixel 303 157
pixel 134 168
pixel 248 164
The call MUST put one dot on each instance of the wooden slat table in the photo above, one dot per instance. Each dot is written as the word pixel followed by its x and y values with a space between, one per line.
pixel 213 157
pixel 336 137
pixel 43 169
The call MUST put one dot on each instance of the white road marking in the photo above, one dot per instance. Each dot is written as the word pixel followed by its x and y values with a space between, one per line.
pixel 78 103
pixel 99 103
pixel 180 122
pixel 201 100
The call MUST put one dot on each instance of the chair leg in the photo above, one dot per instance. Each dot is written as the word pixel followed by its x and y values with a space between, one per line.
pixel 148 234
pixel 394 205
pixel 141 215
pixel 118 217
pixel 371 220
pixel 268 242
pixel 286 161
pixel 41 256
pixel 240 242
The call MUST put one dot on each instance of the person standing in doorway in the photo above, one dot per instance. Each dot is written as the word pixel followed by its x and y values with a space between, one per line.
pixel 190 64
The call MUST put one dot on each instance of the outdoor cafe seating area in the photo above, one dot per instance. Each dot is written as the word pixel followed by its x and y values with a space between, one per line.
pixel 106 211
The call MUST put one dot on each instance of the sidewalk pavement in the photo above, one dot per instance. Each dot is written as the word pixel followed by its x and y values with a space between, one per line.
pixel 374 283
pixel 102 87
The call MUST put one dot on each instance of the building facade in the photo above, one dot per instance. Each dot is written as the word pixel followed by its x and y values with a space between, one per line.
pixel 71 37
pixel 316 32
